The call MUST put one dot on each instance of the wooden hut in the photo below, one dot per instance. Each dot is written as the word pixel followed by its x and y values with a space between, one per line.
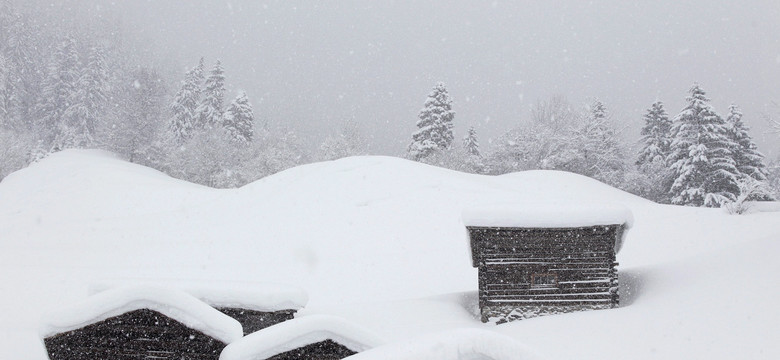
pixel 138 322
pixel 321 337
pixel 539 260
pixel 254 305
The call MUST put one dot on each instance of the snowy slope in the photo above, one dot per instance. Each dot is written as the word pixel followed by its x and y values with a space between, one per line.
pixel 378 241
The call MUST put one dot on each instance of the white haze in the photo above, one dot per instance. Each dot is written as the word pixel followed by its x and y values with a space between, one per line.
pixel 312 65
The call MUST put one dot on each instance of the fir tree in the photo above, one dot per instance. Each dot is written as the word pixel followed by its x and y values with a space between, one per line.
pixel 185 104
pixel 656 135
pixel 747 159
pixel 86 104
pixel 5 94
pixel 210 109
pixel 239 119
pixel 598 151
pixel 434 125
pixel 704 171
pixel 58 88
pixel 471 144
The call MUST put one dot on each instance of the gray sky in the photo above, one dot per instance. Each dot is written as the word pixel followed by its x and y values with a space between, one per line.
pixel 313 65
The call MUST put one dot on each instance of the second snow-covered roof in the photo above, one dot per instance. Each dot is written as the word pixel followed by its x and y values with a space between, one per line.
pixel 300 332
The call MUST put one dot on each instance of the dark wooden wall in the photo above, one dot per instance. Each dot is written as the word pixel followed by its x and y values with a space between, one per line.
pixel 580 260
pixel 253 320
pixel 323 350
pixel 139 334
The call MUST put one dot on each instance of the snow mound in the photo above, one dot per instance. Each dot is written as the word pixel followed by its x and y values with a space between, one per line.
pixel 243 295
pixel 175 304
pixel 299 332
pixel 455 344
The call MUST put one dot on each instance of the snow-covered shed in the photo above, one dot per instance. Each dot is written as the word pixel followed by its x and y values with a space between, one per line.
pixel 543 259
pixel 308 337
pixel 255 305
pixel 138 322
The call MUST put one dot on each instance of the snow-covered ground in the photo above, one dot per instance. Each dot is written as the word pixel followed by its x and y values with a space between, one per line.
pixel 380 242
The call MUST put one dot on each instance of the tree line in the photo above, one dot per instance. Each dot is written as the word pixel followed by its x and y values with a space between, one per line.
pixel 66 88
pixel 697 158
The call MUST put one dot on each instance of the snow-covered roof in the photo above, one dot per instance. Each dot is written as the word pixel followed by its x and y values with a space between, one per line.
pixel 244 295
pixel 452 345
pixel 300 332
pixel 175 304
pixel 550 215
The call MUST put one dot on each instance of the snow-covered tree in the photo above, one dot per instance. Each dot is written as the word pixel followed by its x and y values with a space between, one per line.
pixel 748 160
pixel 239 119
pixel 434 125
pixel 210 109
pixel 5 94
pixel 86 104
pixel 348 142
pixel 58 88
pixel 471 144
pixel 704 171
pixel 656 135
pixel 598 151
pixel 141 116
pixel 185 102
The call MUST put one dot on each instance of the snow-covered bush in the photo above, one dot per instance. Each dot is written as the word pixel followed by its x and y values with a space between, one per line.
pixel 749 188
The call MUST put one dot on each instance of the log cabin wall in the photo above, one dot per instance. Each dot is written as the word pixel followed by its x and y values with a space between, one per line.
pixel 139 334
pixel 528 272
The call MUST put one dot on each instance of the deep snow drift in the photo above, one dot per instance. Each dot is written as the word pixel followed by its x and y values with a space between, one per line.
pixel 378 241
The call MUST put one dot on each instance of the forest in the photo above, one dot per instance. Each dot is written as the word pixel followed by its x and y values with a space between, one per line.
pixel 84 88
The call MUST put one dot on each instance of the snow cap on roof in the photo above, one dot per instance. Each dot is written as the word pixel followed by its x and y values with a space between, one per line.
pixel 550 215
pixel 242 295
pixel 300 332
pixel 175 304
pixel 452 345
pixel 547 215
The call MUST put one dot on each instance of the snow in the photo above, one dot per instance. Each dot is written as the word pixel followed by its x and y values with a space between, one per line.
pixel 243 295
pixel 175 304
pixel 550 215
pixel 451 345
pixel 380 242
pixel 300 332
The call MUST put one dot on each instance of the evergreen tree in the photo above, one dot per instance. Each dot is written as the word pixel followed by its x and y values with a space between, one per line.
pixel 704 171
pixel 5 94
pixel 86 105
pixel 656 135
pixel 471 144
pixel 58 88
pixel 184 105
pixel 239 118
pixel 748 160
pixel 210 109
pixel 434 125
pixel 598 151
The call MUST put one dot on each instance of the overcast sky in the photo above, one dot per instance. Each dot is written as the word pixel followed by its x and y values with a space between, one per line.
pixel 313 65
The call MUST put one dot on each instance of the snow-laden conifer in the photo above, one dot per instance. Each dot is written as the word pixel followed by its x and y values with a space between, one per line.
pixel 58 88
pixel 434 125
pixel 704 170
pixel 656 135
pixel 5 94
pixel 210 110
pixel 239 119
pixel 598 151
pixel 86 104
pixel 184 105
pixel 748 160
pixel 471 144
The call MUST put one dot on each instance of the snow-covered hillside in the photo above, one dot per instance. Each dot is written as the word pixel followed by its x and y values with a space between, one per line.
pixel 378 241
